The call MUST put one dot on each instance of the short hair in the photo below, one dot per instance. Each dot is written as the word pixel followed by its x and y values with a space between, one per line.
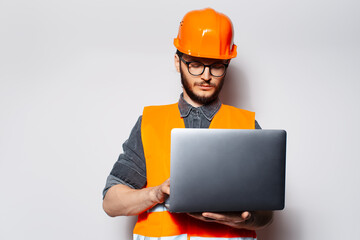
pixel 180 54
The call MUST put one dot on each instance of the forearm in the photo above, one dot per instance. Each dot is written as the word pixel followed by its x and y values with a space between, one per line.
pixel 121 200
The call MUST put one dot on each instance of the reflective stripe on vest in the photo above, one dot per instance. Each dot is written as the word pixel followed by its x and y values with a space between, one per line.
pixel 179 237
pixel 156 126
pixel 185 237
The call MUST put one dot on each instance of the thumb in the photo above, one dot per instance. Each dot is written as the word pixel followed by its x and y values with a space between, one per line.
pixel 246 215
pixel 166 186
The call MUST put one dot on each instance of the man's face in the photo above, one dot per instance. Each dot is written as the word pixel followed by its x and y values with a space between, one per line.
pixel 202 89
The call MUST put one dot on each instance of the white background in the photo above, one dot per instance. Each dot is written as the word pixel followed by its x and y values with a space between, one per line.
pixel 75 75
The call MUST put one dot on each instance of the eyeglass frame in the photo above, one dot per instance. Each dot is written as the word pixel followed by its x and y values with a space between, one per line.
pixel 205 66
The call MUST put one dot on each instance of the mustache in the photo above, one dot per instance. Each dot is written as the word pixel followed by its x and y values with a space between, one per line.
pixel 205 84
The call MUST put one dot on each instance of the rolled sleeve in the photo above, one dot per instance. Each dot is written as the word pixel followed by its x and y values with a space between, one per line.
pixel 111 181
pixel 130 168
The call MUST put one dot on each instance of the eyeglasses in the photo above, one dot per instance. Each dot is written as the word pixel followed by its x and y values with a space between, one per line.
pixel 198 68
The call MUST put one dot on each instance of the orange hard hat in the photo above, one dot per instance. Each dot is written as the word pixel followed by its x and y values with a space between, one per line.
pixel 206 33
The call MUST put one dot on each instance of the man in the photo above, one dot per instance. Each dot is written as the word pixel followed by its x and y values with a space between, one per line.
pixel 139 181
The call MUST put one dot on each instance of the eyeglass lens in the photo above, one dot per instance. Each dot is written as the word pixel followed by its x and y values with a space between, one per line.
pixel 216 69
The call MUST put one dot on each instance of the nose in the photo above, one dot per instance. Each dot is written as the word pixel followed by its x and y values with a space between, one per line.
pixel 206 76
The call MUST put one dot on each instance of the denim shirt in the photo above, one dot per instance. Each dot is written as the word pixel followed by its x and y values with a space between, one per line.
pixel 130 168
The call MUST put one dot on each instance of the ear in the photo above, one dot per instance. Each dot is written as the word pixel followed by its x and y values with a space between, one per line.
pixel 177 62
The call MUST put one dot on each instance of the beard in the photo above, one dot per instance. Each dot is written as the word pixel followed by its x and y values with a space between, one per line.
pixel 203 100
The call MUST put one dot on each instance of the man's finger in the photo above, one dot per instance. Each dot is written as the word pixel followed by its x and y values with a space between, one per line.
pixel 230 217
pixel 246 215
pixel 167 190
pixel 166 186
pixel 215 216
pixel 201 217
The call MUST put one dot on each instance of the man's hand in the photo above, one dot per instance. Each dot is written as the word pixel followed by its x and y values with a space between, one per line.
pixel 234 219
pixel 160 193
pixel 252 221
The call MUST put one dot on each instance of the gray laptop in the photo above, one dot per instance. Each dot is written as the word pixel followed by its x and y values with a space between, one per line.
pixel 221 170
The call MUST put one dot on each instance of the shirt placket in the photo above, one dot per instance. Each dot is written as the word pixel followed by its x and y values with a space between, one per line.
pixel 196 120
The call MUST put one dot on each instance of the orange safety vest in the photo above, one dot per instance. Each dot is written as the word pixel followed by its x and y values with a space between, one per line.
pixel 156 125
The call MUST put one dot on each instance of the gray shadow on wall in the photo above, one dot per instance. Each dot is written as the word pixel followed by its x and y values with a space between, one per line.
pixel 282 227
pixel 130 222
pixel 235 90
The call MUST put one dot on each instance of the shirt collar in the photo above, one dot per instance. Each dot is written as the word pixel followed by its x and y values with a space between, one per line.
pixel 208 110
